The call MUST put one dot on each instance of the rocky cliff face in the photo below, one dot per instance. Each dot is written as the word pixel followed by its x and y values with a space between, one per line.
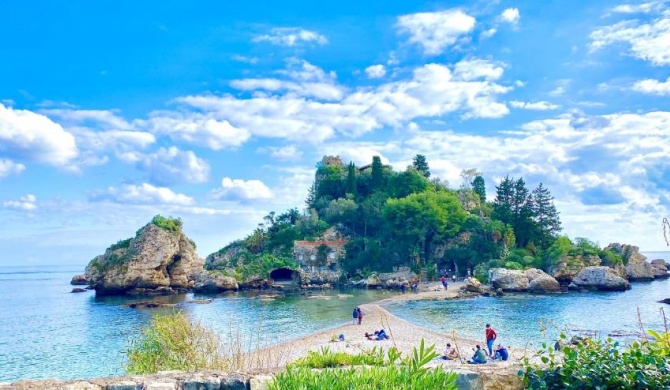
pixel 533 280
pixel 637 267
pixel 568 267
pixel 600 278
pixel 156 260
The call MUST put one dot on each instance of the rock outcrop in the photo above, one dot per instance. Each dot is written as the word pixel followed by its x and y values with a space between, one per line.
pixel 79 280
pixel 472 285
pixel 393 280
pixel 600 278
pixel 637 268
pixel 509 280
pixel 533 280
pixel 157 260
pixel 567 267
pixel 214 282
pixel 659 269
pixel 639 271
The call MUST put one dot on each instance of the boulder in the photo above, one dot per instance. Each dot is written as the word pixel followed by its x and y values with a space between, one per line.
pixel 509 280
pixel 639 271
pixel 472 285
pixel 78 290
pixel 567 267
pixel 660 269
pixel 213 282
pixel 157 260
pixel 79 280
pixel 544 284
pixel 373 281
pixel 600 278
pixel 393 280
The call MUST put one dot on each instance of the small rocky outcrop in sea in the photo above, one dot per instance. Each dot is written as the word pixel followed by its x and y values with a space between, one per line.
pixel 533 280
pixel 600 278
pixel 79 280
pixel 637 268
pixel 660 269
pixel 214 282
pixel 567 267
pixel 472 285
pixel 159 259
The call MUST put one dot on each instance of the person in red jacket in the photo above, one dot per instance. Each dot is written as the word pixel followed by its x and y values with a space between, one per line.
pixel 490 338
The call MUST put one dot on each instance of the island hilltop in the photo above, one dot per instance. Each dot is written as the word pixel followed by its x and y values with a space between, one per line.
pixel 373 227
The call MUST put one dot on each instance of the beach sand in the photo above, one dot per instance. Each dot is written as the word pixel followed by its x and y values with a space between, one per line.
pixel 403 335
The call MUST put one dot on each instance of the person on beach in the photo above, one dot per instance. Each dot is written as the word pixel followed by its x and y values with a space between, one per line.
pixel 450 353
pixel 490 338
pixel 479 357
pixel 453 277
pixel 360 316
pixel 443 279
pixel 501 353
pixel 355 316
pixel 403 287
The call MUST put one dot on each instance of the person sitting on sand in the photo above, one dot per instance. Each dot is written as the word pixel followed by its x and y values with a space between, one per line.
pixel 377 335
pixel 450 353
pixel 501 353
pixel 381 335
pixel 479 357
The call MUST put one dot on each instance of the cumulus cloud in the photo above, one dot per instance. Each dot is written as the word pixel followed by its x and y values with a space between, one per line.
pixel 537 106
pixel 9 167
pixel 291 36
pixel 197 129
pixel 242 190
pixel 638 8
pixel 171 165
pixel 375 71
pixel 104 118
pixel 143 194
pixel 27 203
pixel 34 137
pixel 653 87
pixel 511 16
pixel 647 41
pixel 488 33
pixel 435 31
pixel 283 153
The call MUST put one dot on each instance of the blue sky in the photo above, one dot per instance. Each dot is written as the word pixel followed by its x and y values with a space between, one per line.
pixel 216 112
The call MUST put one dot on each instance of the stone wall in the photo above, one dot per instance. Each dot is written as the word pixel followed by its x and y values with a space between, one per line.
pixel 213 380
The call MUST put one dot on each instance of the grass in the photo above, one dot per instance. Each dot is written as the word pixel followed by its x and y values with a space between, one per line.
pixel 410 373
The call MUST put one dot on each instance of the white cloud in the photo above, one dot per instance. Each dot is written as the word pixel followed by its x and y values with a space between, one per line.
pixel 653 87
pixel 27 135
pixel 435 31
pixel 511 16
pixel 242 190
pixel 103 118
pixel 474 69
pixel 27 203
pixel 638 8
pixel 648 41
pixel 196 128
pixel 488 33
pixel 171 165
pixel 537 106
pixel 248 60
pixel 9 167
pixel 143 194
pixel 283 153
pixel 375 71
pixel 291 36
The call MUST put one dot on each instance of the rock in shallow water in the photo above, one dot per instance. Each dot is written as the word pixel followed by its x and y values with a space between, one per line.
pixel 600 278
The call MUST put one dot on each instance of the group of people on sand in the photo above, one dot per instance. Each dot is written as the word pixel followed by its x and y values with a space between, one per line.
pixel 377 335
pixel 357 316
pixel 480 355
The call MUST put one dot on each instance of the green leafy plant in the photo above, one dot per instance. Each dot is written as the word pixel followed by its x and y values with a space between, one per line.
pixel 170 224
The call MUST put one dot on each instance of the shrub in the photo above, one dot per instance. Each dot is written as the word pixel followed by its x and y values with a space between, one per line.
pixel 121 244
pixel 170 224
pixel 325 358
pixel 601 364
pixel 409 374
pixel 172 342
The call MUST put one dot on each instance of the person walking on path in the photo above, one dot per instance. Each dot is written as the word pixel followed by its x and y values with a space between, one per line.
pixel 443 279
pixel 453 277
pixel 490 338
pixel 360 316
pixel 355 315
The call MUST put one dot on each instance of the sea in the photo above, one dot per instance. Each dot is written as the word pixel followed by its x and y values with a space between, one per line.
pixel 48 332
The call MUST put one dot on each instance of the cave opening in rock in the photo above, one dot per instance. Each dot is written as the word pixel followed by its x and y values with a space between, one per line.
pixel 282 275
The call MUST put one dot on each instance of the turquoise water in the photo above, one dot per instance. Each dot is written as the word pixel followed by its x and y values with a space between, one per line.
pixel 527 320
pixel 47 332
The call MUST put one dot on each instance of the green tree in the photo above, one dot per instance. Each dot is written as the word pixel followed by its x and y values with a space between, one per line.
pixel 420 164
pixel 408 182
pixel 351 187
pixel 418 219
pixel 547 221
pixel 377 179
pixel 513 206
pixel 479 187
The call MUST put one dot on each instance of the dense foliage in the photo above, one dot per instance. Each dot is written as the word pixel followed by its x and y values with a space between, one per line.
pixel 602 364
pixel 379 373
pixel 170 224
pixel 410 218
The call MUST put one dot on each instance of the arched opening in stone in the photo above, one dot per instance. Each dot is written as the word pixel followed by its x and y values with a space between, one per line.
pixel 283 275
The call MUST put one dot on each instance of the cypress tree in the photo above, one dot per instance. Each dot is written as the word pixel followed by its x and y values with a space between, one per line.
pixel 479 187
pixel 420 164
pixel 545 215
pixel 351 180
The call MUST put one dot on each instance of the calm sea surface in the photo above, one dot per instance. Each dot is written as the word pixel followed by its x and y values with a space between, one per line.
pixel 47 332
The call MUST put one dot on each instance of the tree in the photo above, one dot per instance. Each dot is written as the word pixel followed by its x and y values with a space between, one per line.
pixel 377 173
pixel 418 219
pixel 547 222
pixel 409 182
pixel 351 187
pixel 479 187
pixel 513 206
pixel 420 164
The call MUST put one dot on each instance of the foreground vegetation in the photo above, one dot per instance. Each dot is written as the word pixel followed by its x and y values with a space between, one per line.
pixel 602 364
pixel 391 372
